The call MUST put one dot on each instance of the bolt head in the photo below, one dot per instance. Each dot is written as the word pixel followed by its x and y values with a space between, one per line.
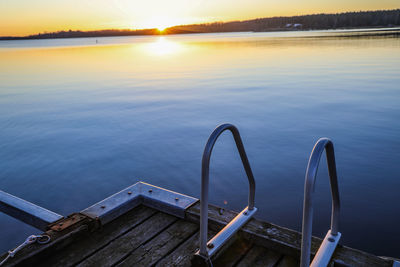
pixel 210 245
pixel 129 193
pixel 150 190
pixel 176 199
pixel 103 207
pixel 221 211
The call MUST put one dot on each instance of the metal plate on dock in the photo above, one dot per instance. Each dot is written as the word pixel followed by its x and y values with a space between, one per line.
pixel 165 200
pixel 140 193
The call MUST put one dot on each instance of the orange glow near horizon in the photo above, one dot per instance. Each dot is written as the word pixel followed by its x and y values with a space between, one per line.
pixel 159 22
pixel 25 17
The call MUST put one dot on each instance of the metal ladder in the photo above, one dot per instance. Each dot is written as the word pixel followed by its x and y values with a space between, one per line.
pixel 208 249
pixel 329 244
pixel 331 239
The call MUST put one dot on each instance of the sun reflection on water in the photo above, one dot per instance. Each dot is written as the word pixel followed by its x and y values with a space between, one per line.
pixel 163 46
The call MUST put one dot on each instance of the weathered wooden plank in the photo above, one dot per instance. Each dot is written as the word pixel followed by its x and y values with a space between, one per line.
pixel 233 253
pixel 161 245
pixel 260 256
pixel 120 248
pixel 88 245
pixel 284 240
pixel 183 254
pixel 288 261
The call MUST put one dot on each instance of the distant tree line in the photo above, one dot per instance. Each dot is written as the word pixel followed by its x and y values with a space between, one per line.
pixel 380 18
pixel 78 34
pixel 112 32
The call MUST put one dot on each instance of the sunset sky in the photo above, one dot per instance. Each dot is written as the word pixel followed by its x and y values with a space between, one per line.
pixel 24 17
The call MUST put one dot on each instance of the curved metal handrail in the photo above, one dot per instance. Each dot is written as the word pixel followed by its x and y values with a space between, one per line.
pixel 330 241
pixel 206 250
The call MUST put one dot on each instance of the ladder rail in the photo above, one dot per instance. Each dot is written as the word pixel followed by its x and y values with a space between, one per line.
pixel 207 249
pixel 330 241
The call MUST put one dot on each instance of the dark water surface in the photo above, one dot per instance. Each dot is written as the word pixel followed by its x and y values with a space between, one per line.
pixel 80 121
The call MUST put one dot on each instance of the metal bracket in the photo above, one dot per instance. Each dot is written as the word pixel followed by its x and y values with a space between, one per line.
pixel 67 222
pixel 135 195
pixel 229 230
pixel 326 250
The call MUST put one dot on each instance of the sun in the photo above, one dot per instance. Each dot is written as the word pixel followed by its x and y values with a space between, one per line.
pixel 160 23
pixel 161 28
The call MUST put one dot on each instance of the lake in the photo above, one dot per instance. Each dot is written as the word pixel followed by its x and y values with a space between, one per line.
pixel 81 119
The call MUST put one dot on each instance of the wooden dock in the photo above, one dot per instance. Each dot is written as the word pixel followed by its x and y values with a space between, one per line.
pixel 145 232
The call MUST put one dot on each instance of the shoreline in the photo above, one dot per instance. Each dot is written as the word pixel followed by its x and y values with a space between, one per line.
pixel 369 31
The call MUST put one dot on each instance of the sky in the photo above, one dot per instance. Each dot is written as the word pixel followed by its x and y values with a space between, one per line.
pixel 24 17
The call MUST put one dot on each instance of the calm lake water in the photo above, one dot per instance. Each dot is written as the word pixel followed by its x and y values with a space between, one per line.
pixel 81 120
